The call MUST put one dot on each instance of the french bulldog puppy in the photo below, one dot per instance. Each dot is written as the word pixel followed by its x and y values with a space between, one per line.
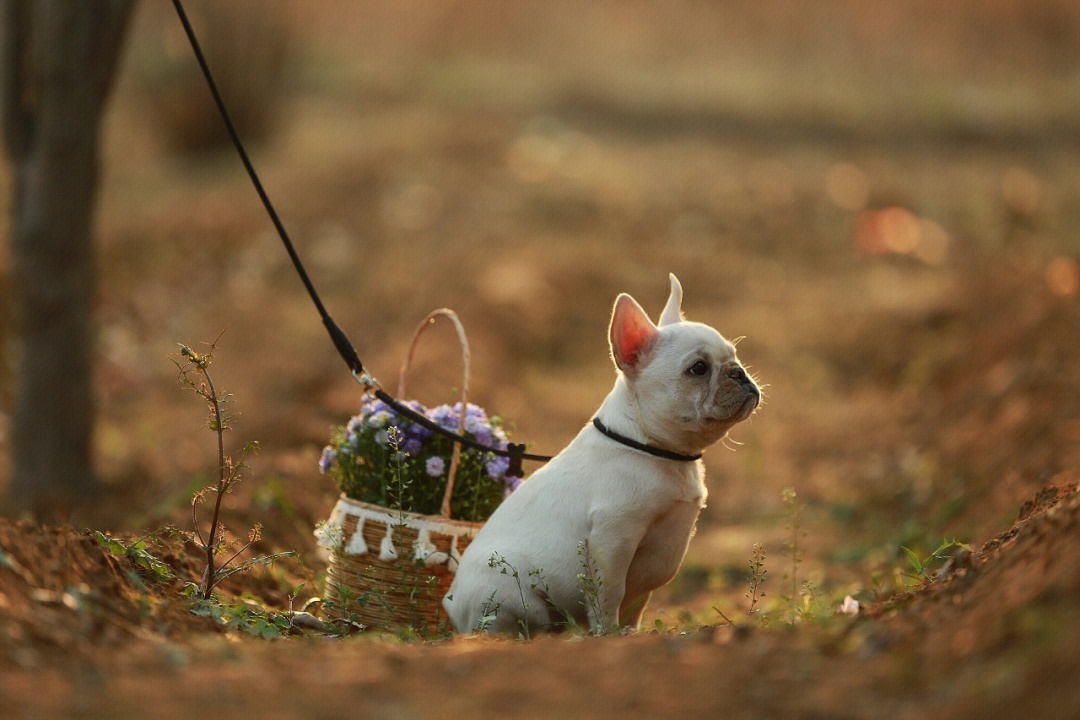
pixel 594 532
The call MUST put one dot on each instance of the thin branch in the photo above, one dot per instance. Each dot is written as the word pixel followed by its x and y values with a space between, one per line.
pixel 195 521
pixel 248 563
pixel 725 617
pixel 209 583
pixel 235 555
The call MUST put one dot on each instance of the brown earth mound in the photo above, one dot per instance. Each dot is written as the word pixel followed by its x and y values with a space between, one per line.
pixel 76 591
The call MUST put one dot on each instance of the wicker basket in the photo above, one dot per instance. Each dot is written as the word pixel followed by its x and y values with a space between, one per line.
pixel 397 566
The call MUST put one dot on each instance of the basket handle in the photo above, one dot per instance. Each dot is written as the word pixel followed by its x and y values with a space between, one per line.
pixel 455 455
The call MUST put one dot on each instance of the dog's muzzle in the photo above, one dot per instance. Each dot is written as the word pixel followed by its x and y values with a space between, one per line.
pixel 739 375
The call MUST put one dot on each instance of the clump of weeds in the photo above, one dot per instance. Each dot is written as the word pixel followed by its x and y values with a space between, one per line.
pixel 921 567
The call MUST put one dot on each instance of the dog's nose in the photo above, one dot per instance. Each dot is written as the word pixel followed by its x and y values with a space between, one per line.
pixel 739 375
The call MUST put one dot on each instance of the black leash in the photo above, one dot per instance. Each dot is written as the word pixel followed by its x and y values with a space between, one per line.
pixel 630 442
pixel 344 347
pixel 515 451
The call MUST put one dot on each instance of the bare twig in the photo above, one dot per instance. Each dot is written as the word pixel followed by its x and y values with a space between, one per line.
pixel 228 469
pixel 254 537
pixel 722 615
pixel 219 429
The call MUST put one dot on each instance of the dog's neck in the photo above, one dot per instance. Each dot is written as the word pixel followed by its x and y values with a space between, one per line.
pixel 620 412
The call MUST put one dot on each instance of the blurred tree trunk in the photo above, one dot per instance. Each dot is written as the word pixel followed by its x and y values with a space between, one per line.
pixel 60 57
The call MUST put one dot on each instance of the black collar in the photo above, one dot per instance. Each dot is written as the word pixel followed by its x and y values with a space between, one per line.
pixel 658 452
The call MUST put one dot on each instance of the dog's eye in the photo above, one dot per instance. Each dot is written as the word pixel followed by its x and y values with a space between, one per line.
pixel 699 368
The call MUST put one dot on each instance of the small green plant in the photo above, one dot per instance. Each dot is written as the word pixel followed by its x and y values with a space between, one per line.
pixel 399 482
pixel 560 616
pixel 920 568
pixel 793 511
pixel 757 577
pixel 244 617
pixel 137 552
pixel 489 613
pixel 340 618
pixel 195 375
pixel 499 562
pixel 592 585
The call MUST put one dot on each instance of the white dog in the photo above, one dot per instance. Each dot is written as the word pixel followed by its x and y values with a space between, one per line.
pixel 608 520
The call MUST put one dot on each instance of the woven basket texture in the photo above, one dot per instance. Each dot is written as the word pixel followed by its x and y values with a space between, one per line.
pixel 401 592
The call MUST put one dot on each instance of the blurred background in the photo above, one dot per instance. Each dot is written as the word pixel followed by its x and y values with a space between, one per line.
pixel 882 198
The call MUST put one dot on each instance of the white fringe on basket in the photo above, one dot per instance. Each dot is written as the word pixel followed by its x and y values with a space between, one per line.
pixel 357 545
pixel 386 548
pixel 330 533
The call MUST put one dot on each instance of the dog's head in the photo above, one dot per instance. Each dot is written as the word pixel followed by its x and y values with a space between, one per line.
pixel 687 384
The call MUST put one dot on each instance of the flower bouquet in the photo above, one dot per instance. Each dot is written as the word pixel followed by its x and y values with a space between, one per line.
pixel 387 459
pixel 411 501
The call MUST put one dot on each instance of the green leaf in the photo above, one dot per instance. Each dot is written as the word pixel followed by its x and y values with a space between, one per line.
pixel 914 560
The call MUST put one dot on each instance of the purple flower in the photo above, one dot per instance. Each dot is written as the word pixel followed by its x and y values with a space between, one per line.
pixel 497 467
pixel 435 466
pixel 418 431
pixel 381 437
pixel 512 484
pixel 412 447
pixel 329 454
pixel 475 424
pixel 483 438
pixel 445 416
pixel 450 421
pixel 356 424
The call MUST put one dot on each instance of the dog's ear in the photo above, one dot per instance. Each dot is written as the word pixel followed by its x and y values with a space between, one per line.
pixel 673 310
pixel 632 333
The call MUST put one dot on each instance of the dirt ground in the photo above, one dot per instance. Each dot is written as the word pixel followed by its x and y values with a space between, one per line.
pixel 888 212
pixel 993 635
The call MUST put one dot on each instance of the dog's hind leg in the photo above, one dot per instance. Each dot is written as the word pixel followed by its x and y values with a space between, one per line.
pixel 632 609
